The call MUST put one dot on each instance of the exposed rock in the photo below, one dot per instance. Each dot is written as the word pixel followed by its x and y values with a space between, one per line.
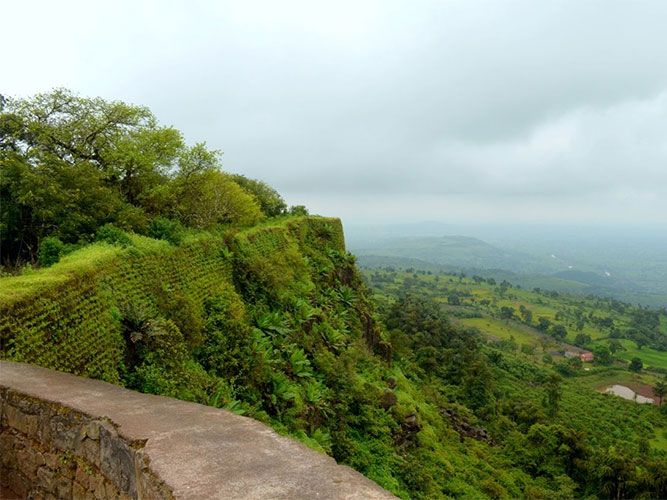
pixel 409 429
pixel 389 399
pixel 465 429
pixel 411 424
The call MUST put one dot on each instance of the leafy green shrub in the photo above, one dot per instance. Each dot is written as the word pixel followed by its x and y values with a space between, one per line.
pixel 185 313
pixel 209 198
pixel 132 218
pixel 300 210
pixel 50 251
pixel 227 348
pixel 114 236
pixel 270 202
pixel 493 489
pixel 170 230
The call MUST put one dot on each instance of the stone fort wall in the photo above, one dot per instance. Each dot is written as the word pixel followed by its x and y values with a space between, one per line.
pixel 70 437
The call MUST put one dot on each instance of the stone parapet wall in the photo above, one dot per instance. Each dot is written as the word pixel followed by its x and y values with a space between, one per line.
pixel 63 436
pixel 51 451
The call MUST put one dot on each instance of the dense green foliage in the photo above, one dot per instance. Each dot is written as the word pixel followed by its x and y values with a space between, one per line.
pixel 614 330
pixel 69 165
pixel 565 435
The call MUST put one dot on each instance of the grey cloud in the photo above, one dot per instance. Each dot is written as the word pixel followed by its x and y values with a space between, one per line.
pixel 530 104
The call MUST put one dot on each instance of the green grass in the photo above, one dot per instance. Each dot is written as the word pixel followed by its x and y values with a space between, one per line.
pixel 86 260
pixel 31 283
pixel 651 358
pixel 93 257
pixel 605 377
pixel 501 329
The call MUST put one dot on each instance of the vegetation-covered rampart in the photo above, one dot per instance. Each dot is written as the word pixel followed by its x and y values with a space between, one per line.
pixel 70 316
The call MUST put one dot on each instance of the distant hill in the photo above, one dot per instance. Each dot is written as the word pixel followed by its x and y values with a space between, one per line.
pixel 588 277
pixel 457 251
pixel 576 282
pixel 626 261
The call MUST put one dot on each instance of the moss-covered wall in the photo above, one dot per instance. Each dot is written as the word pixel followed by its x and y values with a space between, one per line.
pixel 67 317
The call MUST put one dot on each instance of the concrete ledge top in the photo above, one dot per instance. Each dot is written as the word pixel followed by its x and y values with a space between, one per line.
pixel 198 451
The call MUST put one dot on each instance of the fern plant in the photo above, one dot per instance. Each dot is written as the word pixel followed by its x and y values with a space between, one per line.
pixel 138 323
pixel 272 322
pixel 299 363
pixel 347 295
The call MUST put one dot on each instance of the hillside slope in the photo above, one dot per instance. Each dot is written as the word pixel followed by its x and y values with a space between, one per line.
pixel 275 322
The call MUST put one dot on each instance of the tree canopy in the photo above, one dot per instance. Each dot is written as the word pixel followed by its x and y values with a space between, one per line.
pixel 72 164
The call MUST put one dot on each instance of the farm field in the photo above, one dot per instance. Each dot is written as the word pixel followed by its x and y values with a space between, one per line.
pixel 502 311
pixel 499 329
pixel 650 357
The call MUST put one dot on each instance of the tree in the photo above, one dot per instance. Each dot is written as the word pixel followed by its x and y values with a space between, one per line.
pixel 660 390
pixel 51 198
pixel 544 343
pixel 298 210
pixel 527 316
pixel 576 363
pixel 71 164
pixel 582 339
pixel 528 349
pixel 559 332
pixel 602 354
pixel 197 159
pixel 641 340
pixel 123 142
pixel 209 198
pixel 543 324
pixel 615 472
pixel 636 365
pixel 507 312
pixel 478 384
pixel 615 346
pixel 270 202
pixel 553 394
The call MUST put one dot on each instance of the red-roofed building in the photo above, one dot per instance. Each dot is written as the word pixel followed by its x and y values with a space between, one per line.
pixel 587 356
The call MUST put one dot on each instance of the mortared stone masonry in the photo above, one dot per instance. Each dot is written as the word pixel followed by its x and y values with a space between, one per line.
pixel 63 436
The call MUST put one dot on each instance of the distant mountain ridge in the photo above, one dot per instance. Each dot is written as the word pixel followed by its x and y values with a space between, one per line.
pixel 460 251
pixel 473 255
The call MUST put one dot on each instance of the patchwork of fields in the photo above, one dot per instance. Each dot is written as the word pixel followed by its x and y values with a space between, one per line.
pixel 502 311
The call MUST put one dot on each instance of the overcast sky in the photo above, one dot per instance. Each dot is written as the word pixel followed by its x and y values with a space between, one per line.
pixel 384 111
